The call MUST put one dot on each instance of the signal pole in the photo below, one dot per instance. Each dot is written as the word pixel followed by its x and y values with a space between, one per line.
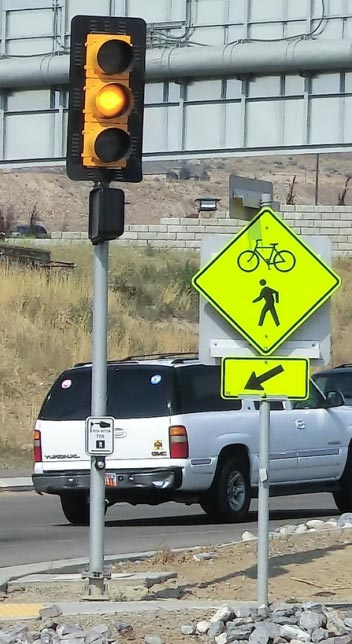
pixel 104 144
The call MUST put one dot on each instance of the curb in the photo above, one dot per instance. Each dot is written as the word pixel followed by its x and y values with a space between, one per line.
pixel 16 484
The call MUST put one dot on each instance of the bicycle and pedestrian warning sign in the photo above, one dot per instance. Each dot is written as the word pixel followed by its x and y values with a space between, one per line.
pixel 265 376
pixel 266 282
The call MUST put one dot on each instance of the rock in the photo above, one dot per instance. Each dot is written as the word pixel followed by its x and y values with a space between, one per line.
pixel 265 632
pixel 204 556
pixel 288 529
pixel 301 528
pixel 348 622
pixel 94 636
pixel 48 636
pixel 123 627
pixel 311 620
pixel 316 524
pixel 67 629
pixel 248 536
pixel 187 629
pixel 203 627
pixel 319 634
pixel 245 611
pixel 224 613
pixel 346 517
pixel 152 639
pixel 334 625
pixel 238 632
pixel 50 611
pixel 14 634
pixel 294 632
pixel 284 619
pixel 221 639
pixel 215 629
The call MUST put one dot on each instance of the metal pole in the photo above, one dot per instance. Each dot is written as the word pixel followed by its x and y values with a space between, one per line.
pixel 96 584
pixel 263 492
pixel 263 505
pixel 317 164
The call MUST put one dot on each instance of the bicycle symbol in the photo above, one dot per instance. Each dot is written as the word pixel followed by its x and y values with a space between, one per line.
pixel 283 260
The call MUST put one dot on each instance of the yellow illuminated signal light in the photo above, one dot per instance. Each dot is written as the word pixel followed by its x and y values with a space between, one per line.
pixel 106 99
pixel 112 101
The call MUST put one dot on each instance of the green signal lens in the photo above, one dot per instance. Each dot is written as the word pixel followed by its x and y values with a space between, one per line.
pixel 112 145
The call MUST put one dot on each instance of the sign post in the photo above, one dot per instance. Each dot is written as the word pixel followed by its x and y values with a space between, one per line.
pixel 258 283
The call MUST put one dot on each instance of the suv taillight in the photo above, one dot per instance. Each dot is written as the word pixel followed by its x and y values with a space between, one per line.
pixel 178 441
pixel 37 446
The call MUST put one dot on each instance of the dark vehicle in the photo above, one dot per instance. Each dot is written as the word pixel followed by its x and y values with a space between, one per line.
pixel 336 379
pixel 27 230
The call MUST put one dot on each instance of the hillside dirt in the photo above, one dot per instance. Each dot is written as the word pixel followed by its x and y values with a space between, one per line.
pixel 62 204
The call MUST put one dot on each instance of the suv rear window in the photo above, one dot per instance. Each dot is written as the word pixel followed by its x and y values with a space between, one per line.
pixel 141 391
pixel 200 390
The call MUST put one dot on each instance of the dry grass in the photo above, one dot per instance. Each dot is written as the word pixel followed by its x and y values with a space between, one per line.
pixel 46 325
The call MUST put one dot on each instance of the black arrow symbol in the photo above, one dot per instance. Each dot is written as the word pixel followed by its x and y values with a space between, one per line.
pixel 255 382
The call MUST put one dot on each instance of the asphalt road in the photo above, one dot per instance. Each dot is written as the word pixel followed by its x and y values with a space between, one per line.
pixel 34 529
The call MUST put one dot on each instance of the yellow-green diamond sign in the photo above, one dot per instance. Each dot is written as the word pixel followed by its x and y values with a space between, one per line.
pixel 266 282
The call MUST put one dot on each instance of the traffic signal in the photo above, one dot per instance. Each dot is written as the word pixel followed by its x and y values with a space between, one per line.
pixel 106 99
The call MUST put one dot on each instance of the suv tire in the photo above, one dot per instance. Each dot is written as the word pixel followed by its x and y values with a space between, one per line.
pixel 343 500
pixel 75 506
pixel 230 496
pixel 343 496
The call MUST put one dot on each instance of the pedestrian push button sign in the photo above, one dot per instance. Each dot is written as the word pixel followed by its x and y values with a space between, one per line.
pixel 266 282
pixel 99 435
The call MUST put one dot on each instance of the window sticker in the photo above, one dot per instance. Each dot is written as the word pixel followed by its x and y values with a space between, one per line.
pixel 155 379
pixel 66 384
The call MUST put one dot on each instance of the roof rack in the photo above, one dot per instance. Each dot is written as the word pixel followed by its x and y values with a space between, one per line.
pixel 178 355
pixel 345 364
pixel 162 356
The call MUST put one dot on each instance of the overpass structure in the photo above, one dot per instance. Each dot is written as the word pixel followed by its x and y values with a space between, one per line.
pixel 224 77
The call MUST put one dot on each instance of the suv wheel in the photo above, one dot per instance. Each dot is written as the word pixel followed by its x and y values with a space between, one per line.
pixel 75 506
pixel 343 497
pixel 343 501
pixel 230 498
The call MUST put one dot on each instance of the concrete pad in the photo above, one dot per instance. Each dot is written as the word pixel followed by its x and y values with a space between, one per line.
pixel 121 587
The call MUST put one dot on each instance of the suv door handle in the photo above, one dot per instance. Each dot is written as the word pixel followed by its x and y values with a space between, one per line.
pixel 300 424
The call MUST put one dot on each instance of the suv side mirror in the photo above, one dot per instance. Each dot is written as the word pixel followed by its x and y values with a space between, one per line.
pixel 334 399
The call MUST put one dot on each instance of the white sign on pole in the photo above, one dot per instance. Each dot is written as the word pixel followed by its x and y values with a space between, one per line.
pixel 99 436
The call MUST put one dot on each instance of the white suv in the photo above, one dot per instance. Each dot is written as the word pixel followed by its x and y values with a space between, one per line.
pixel 176 439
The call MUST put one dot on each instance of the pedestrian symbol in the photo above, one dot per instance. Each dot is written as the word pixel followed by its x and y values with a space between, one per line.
pixel 266 281
pixel 270 297
pixel 100 444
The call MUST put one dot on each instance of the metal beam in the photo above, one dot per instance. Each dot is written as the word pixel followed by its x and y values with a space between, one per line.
pixel 242 58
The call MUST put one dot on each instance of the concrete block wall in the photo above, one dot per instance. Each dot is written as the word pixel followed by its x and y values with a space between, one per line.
pixel 187 233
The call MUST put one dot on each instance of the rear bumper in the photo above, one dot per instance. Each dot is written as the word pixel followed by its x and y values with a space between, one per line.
pixel 126 480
